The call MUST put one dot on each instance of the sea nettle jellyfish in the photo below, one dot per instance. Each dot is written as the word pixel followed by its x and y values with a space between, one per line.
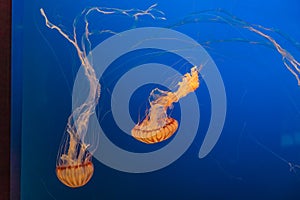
pixel 74 166
pixel 157 125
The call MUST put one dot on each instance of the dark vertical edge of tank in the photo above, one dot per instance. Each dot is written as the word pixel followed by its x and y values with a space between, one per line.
pixel 16 50
pixel 5 85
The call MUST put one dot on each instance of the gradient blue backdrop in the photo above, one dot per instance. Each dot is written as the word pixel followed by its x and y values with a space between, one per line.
pixel 262 129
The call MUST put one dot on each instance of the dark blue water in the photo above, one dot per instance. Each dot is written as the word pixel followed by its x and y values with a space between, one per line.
pixel 260 141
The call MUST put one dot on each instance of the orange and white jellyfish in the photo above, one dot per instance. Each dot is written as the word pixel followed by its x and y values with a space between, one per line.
pixel 157 125
pixel 74 166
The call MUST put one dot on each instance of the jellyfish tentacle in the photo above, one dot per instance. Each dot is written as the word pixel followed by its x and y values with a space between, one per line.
pixel 224 17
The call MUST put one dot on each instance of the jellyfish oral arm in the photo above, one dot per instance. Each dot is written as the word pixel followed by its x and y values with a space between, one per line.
pixel 189 83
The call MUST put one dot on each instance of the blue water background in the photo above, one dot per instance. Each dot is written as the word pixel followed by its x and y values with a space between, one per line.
pixel 262 128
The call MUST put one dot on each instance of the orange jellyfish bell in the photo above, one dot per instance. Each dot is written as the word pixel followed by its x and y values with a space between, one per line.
pixel 75 175
pixel 148 136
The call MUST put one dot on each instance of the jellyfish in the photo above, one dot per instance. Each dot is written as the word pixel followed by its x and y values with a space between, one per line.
pixel 74 166
pixel 157 125
pixel 267 35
